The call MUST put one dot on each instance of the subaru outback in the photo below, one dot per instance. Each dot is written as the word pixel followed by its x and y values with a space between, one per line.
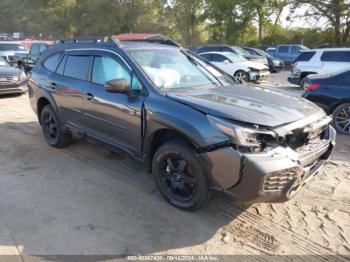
pixel 194 127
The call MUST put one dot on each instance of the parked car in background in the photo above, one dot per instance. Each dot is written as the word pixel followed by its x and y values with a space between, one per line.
pixel 150 38
pixel 26 61
pixel 288 53
pixel 319 61
pixel 12 80
pixel 274 64
pixel 8 50
pixel 195 128
pixel 332 93
pixel 237 66
pixel 271 51
pixel 227 48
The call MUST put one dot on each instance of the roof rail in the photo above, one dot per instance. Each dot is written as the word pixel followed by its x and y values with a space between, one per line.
pixel 83 40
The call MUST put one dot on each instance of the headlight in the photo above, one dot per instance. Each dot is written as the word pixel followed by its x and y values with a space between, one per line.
pixel 242 136
pixel 276 62
pixel 23 77
pixel 253 69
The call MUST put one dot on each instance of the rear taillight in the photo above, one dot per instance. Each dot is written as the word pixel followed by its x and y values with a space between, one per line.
pixel 312 87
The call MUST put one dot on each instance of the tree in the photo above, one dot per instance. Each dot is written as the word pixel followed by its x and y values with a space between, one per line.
pixel 337 12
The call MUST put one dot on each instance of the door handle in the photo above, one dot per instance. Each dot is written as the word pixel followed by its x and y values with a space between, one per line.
pixel 53 85
pixel 89 96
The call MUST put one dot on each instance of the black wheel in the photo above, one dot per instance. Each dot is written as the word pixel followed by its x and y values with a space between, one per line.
pixel 341 118
pixel 53 133
pixel 241 76
pixel 179 176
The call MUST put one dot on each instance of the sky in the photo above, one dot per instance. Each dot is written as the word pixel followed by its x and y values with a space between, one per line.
pixel 309 22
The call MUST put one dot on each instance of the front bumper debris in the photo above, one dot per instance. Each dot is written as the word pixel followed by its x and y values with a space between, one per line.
pixel 273 176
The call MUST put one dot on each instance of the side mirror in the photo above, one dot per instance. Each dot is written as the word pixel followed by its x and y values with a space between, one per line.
pixel 226 61
pixel 119 85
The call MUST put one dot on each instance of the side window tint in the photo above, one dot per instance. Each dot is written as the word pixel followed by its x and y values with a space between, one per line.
pixel 283 49
pixel 207 56
pixel 51 63
pixel 35 49
pixel 135 84
pixel 336 56
pixel 106 68
pixel 60 68
pixel 42 48
pixel 294 49
pixel 77 67
pixel 218 58
pixel 305 56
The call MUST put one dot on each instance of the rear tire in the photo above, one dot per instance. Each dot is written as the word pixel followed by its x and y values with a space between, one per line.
pixel 341 118
pixel 179 176
pixel 52 130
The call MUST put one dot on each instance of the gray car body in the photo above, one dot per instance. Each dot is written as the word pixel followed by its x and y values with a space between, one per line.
pixel 138 124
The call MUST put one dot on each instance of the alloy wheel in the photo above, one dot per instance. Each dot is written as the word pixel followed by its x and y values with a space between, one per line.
pixel 177 179
pixel 342 120
pixel 241 76
pixel 50 127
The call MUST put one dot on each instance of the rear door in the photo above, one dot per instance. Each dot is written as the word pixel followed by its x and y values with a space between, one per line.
pixel 114 118
pixel 69 84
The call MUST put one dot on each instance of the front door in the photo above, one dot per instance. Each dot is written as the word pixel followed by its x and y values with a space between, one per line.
pixel 113 117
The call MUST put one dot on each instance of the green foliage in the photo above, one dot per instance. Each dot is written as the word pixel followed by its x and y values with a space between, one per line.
pixel 251 22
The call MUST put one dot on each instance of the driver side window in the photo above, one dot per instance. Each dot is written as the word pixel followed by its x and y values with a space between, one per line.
pixel 106 68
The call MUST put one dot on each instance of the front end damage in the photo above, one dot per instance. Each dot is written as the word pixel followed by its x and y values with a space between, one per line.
pixel 276 173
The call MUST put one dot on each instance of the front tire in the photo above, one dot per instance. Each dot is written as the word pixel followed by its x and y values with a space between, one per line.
pixel 341 118
pixel 241 76
pixel 179 176
pixel 54 135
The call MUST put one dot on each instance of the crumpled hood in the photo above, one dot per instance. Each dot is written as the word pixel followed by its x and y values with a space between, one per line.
pixel 248 104
pixel 255 65
pixel 9 71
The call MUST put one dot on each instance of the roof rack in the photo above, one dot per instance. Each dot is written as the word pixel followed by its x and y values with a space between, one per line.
pixel 83 40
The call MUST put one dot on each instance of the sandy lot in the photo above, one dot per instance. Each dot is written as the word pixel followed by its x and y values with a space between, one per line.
pixel 84 200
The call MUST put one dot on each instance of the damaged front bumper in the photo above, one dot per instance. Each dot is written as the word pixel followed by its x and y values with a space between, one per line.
pixel 273 176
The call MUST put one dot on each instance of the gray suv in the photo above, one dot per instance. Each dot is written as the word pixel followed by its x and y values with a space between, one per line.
pixel 194 128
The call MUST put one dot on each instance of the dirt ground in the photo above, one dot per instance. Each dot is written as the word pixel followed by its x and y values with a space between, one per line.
pixel 84 200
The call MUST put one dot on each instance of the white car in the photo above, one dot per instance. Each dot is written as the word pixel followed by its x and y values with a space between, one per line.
pixel 319 61
pixel 237 66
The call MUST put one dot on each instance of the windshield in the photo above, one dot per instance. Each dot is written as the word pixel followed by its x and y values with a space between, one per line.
pixel 240 51
pixel 175 69
pixel 3 62
pixel 262 53
pixel 11 47
pixel 235 58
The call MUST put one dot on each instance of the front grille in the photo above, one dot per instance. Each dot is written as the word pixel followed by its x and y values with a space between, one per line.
pixel 5 80
pixel 309 134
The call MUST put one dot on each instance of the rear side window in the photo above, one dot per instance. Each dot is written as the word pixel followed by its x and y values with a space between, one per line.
pixel 336 56
pixel 218 58
pixel 77 67
pixel 207 56
pixel 305 56
pixel 51 63
pixel 283 49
